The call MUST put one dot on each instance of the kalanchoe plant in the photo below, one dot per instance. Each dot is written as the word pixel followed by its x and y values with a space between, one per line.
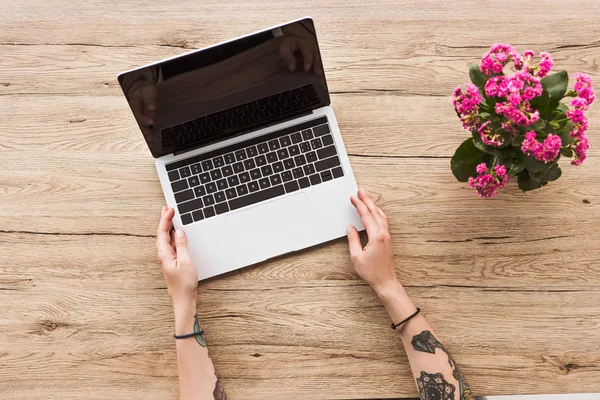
pixel 518 122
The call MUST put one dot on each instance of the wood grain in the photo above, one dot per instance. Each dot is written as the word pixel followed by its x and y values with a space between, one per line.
pixel 512 285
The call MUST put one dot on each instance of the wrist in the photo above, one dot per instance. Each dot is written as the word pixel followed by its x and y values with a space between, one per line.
pixel 184 315
pixel 396 302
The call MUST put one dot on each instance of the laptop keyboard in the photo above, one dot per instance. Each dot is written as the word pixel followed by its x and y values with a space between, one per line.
pixel 260 169
pixel 244 115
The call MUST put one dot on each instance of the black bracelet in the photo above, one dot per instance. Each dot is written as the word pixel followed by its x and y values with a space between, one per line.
pixel 405 320
pixel 187 335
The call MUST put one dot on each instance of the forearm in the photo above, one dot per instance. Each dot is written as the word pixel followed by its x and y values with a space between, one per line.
pixel 436 373
pixel 197 377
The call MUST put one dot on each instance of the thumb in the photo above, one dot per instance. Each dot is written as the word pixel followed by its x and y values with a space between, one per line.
pixel 181 244
pixel 354 241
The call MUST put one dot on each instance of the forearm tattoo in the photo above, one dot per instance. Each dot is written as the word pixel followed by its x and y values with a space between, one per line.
pixel 219 392
pixel 434 386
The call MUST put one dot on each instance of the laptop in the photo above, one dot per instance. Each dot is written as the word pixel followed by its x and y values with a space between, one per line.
pixel 247 147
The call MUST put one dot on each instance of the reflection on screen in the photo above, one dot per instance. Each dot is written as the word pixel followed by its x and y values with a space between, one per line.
pixel 228 89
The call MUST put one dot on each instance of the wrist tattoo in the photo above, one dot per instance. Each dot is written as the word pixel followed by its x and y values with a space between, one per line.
pixel 197 329
pixel 431 384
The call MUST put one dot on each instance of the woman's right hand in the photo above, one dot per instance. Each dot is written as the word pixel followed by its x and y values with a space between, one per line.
pixel 375 262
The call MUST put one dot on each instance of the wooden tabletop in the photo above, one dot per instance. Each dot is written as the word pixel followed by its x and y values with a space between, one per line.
pixel 511 285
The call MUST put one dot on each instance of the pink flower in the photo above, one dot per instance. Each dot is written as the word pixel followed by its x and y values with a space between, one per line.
pixel 546 152
pixel 496 58
pixel 580 103
pixel 580 122
pixel 518 90
pixel 528 54
pixel 580 147
pixel 546 64
pixel 466 103
pixel 489 137
pixel 489 182
pixel 584 88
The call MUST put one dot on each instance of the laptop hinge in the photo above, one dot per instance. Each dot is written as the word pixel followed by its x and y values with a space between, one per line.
pixel 274 122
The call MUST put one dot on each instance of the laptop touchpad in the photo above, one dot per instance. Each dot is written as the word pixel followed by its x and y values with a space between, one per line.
pixel 273 228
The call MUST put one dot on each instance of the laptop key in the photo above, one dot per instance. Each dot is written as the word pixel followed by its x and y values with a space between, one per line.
pixel 256 197
pixel 179 185
pixel 204 178
pixel 262 148
pixel 288 163
pixel 283 154
pixel 309 169
pixel 274 144
pixel 311 157
pixel 209 212
pixel 240 155
pixel 211 187
pixel 327 163
pixel 207 165
pixel 337 172
pixel 261 160
pixel 297 172
pixel 233 181
pixel 285 141
pixel 271 157
pixel 229 158
pixel 326 152
pixel 242 190
pixel 209 200
pixel 244 177
pixel 327 140
pixel 264 183
pixel 173 175
pixel 321 130
pixel 184 196
pixel 230 193
pixel 186 219
pixel 196 169
pixel 255 174
pixel 304 147
pixel 307 134
pixel 291 186
pixel 300 160
pixel 278 167
pixel 294 150
pixel 266 170
pixel 199 191
pixel 316 143
pixel 221 208
pixel 198 215
pixel 222 184
pixel 227 170
pixel 304 183
pixel 193 181
pixel 286 176
pixel 216 174
pixel 314 179
pixel 251 151
pixel 188 206
pixel 326 176
pixel 253 186
pixel 296 137
pixel 218 162
pixel 220 197
pixel 238 167
pixel 275 179
pixel 249 164
pixel 185 172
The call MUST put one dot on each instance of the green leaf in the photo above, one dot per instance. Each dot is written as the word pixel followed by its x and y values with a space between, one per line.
pixel 526 183
pixel 516 166
pixel 541 102
pixel 551 174
pixel 465 160
pixel 537 125
pixel 556 84
pixel 562 107
pixel 495 151
pixel 534 165
pixel 517 141
pixel 566 151
pixel 565 133
pixel 554 173
pixel 478 78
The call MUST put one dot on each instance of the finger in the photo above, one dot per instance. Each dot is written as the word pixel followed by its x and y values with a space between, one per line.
pixel 307 54
pixel 354 244
pixel 181 245
pixel 365 215
pixel 371 206
pixel 163 238
pixel 286 51
pixel 385 219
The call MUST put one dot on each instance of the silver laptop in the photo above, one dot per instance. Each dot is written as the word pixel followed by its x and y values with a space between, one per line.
pixel 247 147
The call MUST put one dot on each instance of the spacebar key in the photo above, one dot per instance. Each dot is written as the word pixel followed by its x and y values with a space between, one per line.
pixel 267 194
